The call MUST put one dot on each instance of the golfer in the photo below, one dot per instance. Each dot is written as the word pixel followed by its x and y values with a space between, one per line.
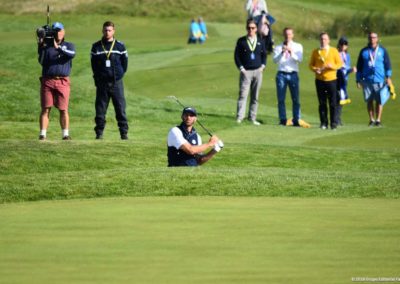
pixel 185 147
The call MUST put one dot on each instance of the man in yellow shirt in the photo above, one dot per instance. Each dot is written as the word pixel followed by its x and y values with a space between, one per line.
pixel 324 62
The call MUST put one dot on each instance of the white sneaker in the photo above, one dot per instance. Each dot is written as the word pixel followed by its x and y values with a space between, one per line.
pixel 238 120
pixel 255 122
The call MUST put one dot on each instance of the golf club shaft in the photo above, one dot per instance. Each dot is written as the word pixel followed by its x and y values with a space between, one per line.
pixel 201 125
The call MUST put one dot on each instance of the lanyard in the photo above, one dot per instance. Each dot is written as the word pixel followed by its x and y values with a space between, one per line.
pixel 343 55
pixel 323 58
pixel 373 55
pixel 252 46
pixel 109 52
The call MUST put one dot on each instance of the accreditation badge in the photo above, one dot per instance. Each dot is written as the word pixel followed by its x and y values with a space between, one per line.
pixel 108 63
pixel 370 63
pixel 252 56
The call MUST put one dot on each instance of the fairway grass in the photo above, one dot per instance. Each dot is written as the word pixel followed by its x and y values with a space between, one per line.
pixel 199 240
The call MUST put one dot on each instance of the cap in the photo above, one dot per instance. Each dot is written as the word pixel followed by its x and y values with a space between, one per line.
pixel 191 110
pixel 57 26
pixel 343 41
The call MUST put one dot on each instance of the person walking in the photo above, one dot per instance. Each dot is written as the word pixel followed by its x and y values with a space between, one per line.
pixel 343 77
pixel 203 29
pixel 185 146
pixel 324 62
pixel 374 71
pixel 109 60
pixel 250 59
pixel 288 56
pixel 194 32
pixel 56 60
pixel 254 8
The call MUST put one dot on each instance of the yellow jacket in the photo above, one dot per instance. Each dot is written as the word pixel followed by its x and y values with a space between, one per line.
pixel 320 58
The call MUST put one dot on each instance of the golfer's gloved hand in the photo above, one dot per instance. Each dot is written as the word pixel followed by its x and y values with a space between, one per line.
pixel 218 147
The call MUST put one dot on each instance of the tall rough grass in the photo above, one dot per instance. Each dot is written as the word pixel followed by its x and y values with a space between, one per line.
pixel 360 23
pixel 307 17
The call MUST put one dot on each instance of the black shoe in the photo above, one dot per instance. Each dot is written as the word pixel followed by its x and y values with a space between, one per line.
pixel 283 122
pixel 296 123
pixel 371 123
pixel 42 137
pixel 378 124
pixel 67 137
pixel 99 136
pixel 124 136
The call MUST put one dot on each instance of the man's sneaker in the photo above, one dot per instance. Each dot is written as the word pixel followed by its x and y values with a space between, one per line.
pixel 99 136
pixel 255 122
pixel 323 127
pixel 371 123
pixel 378 124
pixel 344 102
pixel 67 137
pixel 238 121
pixel 42 137
pixel 124 136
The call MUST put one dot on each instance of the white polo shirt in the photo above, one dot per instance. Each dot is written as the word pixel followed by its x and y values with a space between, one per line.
pixel 175 138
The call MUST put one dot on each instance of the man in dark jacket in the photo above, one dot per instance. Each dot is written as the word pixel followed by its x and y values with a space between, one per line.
pixel 250 59
pixel 109 59
pixel 56 60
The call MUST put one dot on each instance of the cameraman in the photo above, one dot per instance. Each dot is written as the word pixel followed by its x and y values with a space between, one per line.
pixel 55 56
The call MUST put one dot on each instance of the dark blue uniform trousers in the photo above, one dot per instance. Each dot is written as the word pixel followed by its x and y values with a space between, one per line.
pixel 114 91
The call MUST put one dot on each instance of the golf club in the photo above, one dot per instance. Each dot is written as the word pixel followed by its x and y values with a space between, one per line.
pixel 202 126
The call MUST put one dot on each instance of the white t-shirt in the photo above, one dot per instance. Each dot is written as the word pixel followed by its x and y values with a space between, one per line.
pixel 175 138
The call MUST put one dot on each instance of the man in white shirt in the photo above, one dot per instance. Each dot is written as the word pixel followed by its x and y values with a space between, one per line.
pixel 185 146
pixel 288 55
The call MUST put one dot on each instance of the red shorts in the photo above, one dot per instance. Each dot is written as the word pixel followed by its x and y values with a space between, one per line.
pixel 55 92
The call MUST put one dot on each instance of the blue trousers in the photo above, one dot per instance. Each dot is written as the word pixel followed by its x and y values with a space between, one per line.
pixel 104 92
pixel 283 80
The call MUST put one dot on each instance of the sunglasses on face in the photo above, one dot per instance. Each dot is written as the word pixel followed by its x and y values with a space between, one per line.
pixel 251 28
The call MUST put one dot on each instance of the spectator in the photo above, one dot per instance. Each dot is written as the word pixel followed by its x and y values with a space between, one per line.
pixel 343 76
pixel 288 55
pixel 194 32
pixel 250 59
pixel 254 8
pixel 374 71
pixel 203 30
pixel 324 62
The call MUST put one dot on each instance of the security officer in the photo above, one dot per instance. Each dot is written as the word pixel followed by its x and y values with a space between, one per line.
pixel 109 59
pixel 185 147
